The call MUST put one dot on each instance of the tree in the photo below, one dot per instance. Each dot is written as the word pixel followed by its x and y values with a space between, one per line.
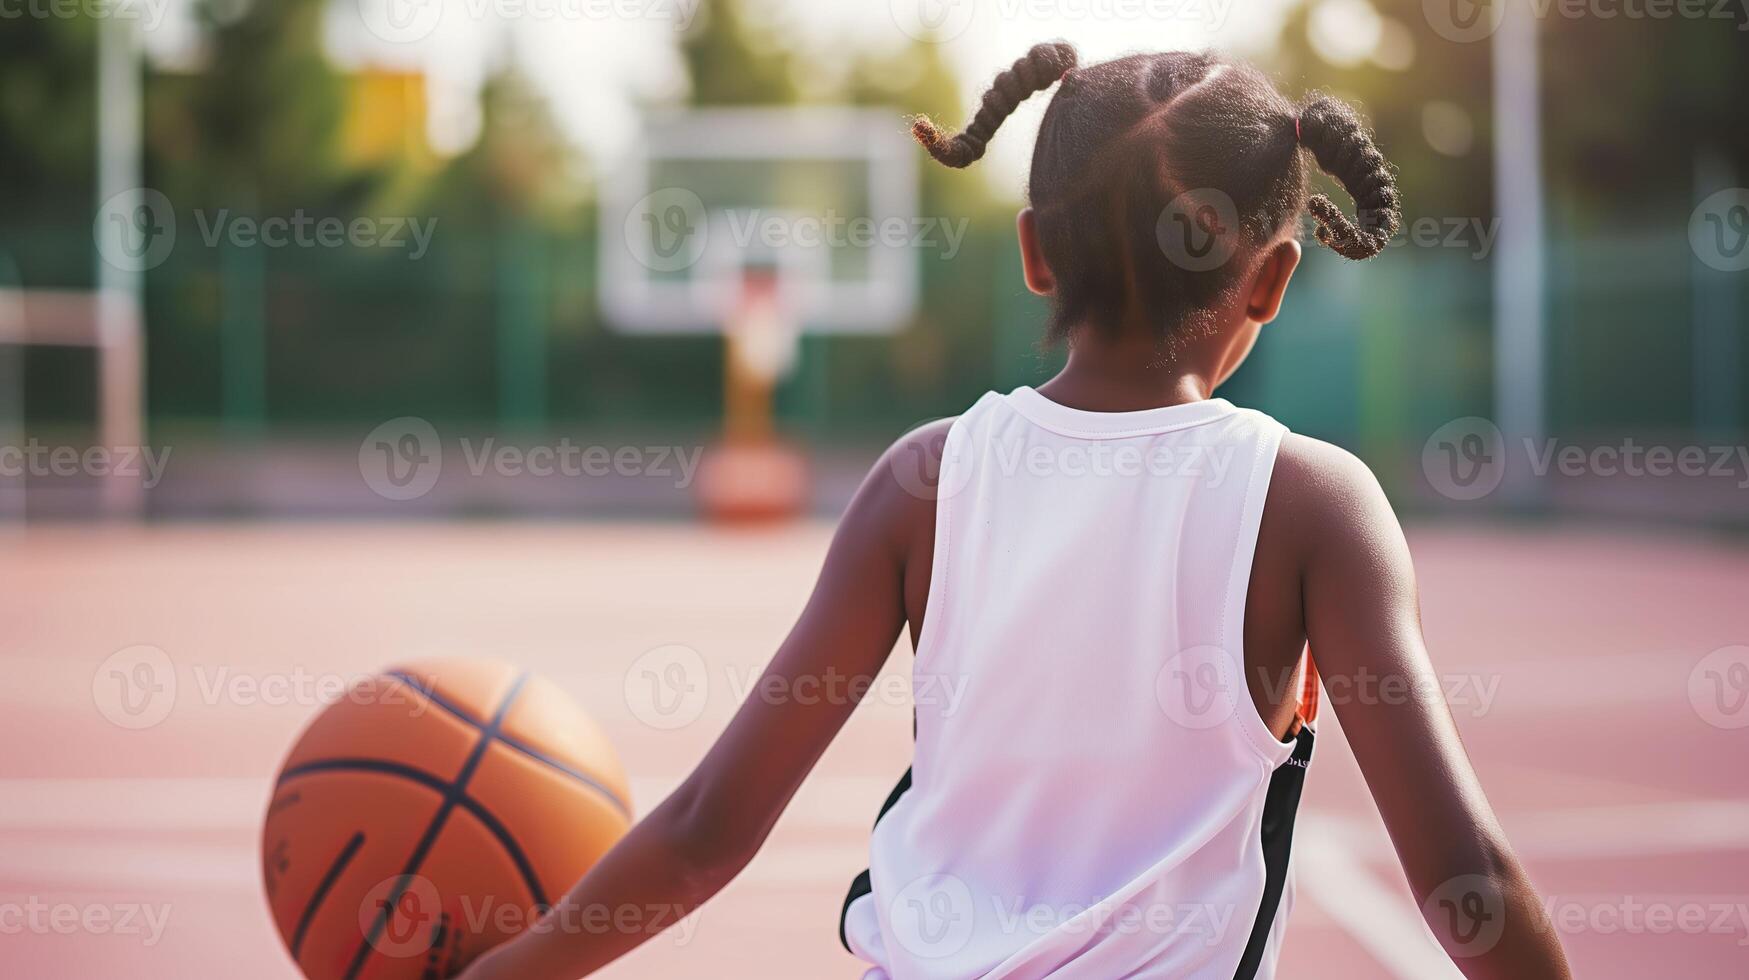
pixel 728 66
pixel 259 124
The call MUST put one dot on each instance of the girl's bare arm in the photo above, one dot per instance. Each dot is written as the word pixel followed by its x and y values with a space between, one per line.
pixel 1363 620
pixel 699 838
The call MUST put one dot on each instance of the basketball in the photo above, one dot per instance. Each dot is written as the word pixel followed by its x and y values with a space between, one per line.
pixel 432 812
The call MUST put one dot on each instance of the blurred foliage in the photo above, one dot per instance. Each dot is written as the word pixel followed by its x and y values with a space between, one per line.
pixel 47 101
pixel 519 169
pixel 728 62
pixel 1394 100
pixel 261 124
pixel 47 146
pixel 1634 101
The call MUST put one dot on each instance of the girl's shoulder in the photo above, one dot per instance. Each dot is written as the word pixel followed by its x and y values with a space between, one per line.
pixel 1321 497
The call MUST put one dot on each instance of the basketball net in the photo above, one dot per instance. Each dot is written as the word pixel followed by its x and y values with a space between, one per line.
pixel 763 340
pixel 752 475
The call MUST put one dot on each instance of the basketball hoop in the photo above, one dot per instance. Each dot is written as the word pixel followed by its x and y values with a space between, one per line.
pixel 706 227
pixel 751 474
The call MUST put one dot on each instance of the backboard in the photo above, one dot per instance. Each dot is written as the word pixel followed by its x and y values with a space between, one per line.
pixel 820 200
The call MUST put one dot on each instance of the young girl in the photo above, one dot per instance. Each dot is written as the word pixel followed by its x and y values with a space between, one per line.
pixel 1118 574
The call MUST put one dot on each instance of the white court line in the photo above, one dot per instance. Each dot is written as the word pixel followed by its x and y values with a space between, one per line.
pixel 1379 920
pixel 132 804
pixel 1545 683
pixel 1331 853
pixel 238 803
pixel 1330 858
pixel 132 865
pixel 236 868
pixel 1567 833
pixel 112 809
pixel 849 803
pixel 845 802
pixel 1640 829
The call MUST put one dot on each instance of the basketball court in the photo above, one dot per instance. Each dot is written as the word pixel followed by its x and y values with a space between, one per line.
pixel 1572 660
pixel 157 671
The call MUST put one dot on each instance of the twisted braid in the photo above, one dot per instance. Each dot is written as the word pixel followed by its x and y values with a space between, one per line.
pixel 1033 72
pixel 1344 149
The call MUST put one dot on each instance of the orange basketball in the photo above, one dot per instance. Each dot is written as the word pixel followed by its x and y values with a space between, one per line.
pixel 430 814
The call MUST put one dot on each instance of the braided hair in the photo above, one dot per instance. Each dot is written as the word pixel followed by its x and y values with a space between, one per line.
pixel 1344 149
pixel 1035 71
pixel 1124 141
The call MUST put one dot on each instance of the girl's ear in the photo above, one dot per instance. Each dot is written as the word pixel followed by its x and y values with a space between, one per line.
pixel 1032 259
pixel 1269 284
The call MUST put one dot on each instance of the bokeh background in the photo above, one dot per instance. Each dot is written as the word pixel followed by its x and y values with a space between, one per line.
pixel 1569 287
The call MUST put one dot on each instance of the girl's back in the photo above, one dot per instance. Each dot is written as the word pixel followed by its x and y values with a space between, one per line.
pixel 1088 794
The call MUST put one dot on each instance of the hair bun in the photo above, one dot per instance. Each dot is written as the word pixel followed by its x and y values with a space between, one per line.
pixel 1344 149
pixel 1049 62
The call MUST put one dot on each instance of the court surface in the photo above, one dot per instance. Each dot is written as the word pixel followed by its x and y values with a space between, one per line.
pixel 1568 654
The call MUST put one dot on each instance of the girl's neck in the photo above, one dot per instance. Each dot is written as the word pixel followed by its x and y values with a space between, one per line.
pixel 1108 377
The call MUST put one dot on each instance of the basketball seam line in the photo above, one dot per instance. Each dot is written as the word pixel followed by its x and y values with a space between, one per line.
pixel 341 860
pixel 487 735
pixel 528 750
pixel 487 818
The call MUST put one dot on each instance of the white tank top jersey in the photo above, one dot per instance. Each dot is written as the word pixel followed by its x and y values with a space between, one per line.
pixel 1093 794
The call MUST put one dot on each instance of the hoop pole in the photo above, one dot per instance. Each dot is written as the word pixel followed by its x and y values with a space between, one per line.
pixel 120 329
pixel 1520 342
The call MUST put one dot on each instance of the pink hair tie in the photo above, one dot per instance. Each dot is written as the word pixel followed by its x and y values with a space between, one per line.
pixel 1296 129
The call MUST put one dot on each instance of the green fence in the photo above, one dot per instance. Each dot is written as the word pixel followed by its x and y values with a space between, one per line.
pixel 501 329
